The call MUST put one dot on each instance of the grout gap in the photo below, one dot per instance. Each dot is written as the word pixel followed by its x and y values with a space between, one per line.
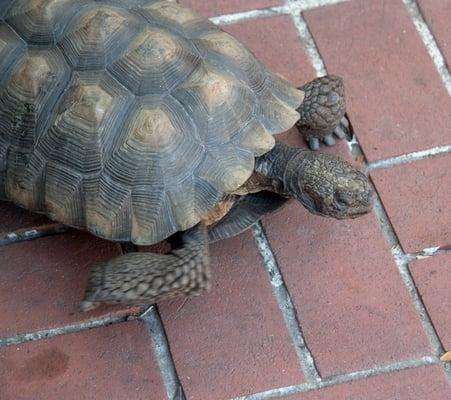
pixel 343 378
pixel 286 305
pixel 286 9
pixel 429 42
pixel 24 235
pixel 163 355
pixel 408 158
pixel 52 332
pixel 228 19
pixel 308 40
pixel 157 333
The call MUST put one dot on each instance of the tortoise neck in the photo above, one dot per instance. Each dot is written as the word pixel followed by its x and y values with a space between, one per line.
pixel 276 165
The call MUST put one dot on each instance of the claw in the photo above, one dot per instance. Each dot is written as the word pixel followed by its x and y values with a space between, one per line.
pixel 329 140
pixel 345 122
pixel 313 143
pixel 86 306
pixel 340 132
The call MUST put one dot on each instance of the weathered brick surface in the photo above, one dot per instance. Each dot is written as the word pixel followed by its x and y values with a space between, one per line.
pixel 353 308
pixel 13 218
pixel 396 99
pixel 437 14
pixel 416 197
pixel 43 281
pixel 114 363
pixel 232 341
pixel 426 383
pixel 211 8
pixel 433 278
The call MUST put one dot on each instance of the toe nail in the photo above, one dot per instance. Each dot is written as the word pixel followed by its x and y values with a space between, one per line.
pixel 313 143
pixel 339 132
pixel 329 140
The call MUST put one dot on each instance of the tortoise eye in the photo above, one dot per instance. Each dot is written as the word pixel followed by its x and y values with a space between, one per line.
pixel 342 199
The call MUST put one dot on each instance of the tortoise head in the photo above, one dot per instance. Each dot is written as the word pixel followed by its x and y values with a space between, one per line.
pixel 328 185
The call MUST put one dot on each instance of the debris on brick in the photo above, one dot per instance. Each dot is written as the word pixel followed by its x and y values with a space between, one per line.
pixel 446 357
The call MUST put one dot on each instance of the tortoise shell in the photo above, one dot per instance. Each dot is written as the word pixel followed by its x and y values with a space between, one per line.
pixel 130 118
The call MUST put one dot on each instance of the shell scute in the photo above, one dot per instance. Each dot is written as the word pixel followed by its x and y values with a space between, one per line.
pixel 222 50
pixel 155 62
pixel 97 36
pixel 177 18
pixel 12 48
pixel 64 197
pixel 226 102
pixel 89 115
pixel 41 22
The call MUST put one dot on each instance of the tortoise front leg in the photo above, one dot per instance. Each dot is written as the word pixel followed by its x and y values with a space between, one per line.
pixel 322 110
pixel 146 278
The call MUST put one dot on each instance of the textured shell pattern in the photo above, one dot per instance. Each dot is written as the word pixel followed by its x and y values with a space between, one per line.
pixel 129 118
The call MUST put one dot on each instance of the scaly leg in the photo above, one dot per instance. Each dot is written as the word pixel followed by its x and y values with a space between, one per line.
pixel 146 278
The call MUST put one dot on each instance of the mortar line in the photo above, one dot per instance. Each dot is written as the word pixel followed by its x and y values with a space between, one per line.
pixel 234 18
pixel 343 378
pixel 73 328
pixel 304 5
pixel 307 38
pixel 429 41
pixel 286 9
pixel 400 257
pixel 408 158
pixel 24 235
pixel 160 342
pixel 163 355
pixel 286 305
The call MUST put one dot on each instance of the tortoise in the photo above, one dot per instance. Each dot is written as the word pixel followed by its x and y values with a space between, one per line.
pixel 140 121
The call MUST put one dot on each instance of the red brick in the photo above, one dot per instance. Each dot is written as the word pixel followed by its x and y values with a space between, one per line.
pixel 396 99
pixel 433 277
pixel 43 281
pixel 437 14
pixel 275 41
pixel 115 362
pixel 232 341
pixel 413 384
pixel 353 307
pixel 416 197
pixel 13 218
pixel 212 8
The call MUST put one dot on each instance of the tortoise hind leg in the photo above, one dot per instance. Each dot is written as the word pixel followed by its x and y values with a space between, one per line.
pixel 246 211
pixel 146 278
pixel 322 110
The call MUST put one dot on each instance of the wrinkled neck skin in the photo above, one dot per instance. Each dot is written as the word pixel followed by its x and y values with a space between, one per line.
pixel 274 165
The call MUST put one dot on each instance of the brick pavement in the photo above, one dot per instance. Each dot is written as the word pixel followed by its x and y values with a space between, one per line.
pixel 301 307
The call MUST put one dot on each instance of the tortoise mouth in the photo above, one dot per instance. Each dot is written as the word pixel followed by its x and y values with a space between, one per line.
pixel 338 211
pixel 353 214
